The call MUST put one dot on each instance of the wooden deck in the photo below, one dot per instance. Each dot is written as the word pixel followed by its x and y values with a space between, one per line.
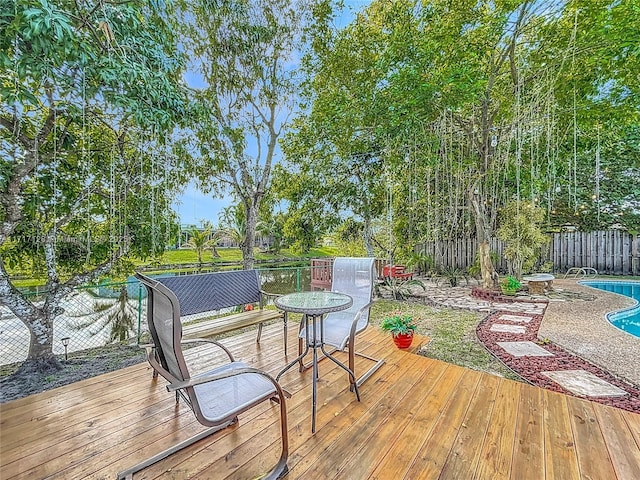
pixel 418 418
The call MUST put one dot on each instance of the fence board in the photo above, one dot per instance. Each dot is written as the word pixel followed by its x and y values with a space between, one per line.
pixel 609 252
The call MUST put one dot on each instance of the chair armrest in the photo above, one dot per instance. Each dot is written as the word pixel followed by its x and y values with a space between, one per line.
pixel 357 316
pixel 172 387
pixel 270 295
pixel 207 340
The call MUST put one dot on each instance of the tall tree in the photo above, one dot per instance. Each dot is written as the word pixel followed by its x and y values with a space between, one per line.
pixel 81 84
pixel 245 52
pixel 200 241
pixel 469 103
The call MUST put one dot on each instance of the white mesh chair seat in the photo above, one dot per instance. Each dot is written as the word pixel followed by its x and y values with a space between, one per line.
pixel 230 396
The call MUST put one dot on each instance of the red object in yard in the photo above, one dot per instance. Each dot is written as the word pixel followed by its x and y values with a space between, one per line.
pixel 396 271
pixel 248 307
pixel 403 340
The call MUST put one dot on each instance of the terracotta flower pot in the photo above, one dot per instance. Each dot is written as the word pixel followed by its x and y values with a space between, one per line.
pixel 403 340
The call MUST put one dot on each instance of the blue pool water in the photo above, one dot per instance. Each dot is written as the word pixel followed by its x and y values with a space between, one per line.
pixel 628 319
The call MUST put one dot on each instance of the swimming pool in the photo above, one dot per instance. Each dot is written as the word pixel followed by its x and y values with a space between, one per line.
pixel 629 318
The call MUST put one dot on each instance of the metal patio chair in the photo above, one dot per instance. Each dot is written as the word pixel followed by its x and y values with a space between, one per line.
pixel 216 397
pixel 354 276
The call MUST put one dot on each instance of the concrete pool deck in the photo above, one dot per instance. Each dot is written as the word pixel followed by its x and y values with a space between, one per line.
pixel 581 327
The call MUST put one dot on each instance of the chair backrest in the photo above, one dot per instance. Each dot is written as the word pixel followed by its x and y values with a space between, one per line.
pixel 207 292
pixel 355 276
pixel 163 318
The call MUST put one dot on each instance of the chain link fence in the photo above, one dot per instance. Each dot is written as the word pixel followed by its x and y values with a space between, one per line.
pixel 95 316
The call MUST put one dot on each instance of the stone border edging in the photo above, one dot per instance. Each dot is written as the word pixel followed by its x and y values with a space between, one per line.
pixel 531 368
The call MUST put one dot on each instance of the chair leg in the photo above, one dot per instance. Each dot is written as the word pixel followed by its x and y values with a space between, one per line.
pixel 352 361
pixel 128 474
pixel 281 469
pixel 284 319
pixel 259 333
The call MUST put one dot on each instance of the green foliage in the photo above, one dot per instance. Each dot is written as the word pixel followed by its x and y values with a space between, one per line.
pixel 244 52
pixel 420 262
pixel 398 289
pixel 437 101
pixel 520 228
pixel 510 283
pixel 87 98
pixel 348 238
pixel 453 275
pixel 301 231
pixel 399 325
pixel 200 241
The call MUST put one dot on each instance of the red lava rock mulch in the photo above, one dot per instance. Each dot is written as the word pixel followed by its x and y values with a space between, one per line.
pixel 531 368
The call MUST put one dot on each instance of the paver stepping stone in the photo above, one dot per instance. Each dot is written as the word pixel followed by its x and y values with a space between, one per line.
pixel 524 349
pixel 581 382
pixel 514 318
pixel 500 327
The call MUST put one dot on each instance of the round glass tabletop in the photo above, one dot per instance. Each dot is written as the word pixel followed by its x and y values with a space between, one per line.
pixel 314 303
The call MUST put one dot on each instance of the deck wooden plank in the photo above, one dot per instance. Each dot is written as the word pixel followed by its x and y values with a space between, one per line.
pixel 61 398
pixel 497 449
pixel 463 458
pixel 593 456
pixel 560 453
pixel 437 445
pixel 458 424
pixel 94 412
pixel 328 461
pixel 392 431
pixel 619 438
pixel 633 422
pixel 528 450
pixel 398 457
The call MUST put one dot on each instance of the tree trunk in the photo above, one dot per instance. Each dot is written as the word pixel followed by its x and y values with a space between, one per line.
pixel 41 355
pixel 476 200
pixel 250 235
pixel 368 243
pixel 39 322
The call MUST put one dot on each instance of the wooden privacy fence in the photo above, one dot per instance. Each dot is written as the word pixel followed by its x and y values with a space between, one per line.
pixel 609 252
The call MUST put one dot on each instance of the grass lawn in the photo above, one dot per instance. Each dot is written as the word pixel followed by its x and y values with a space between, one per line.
pixel 452 334
pixel 190 257
pixel 187 256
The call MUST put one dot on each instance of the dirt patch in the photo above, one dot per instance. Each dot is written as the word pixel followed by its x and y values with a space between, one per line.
pixel 80 365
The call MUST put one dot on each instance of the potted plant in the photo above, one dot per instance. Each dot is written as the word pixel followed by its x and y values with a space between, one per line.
pixel 401 328
pixel 509 285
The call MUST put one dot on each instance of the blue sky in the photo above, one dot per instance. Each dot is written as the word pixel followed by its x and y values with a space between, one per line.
pixel 193 206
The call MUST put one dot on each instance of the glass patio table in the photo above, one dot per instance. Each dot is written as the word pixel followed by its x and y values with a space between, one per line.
pixel 313 306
